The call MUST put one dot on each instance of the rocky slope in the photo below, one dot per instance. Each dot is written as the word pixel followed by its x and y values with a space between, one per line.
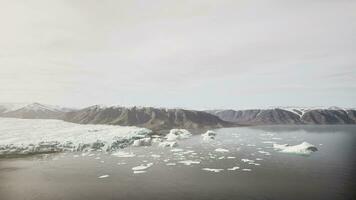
pixel 288 116
pixel 148 117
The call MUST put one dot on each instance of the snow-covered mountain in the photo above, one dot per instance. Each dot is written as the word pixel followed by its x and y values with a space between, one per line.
pixel 32 111
pixel 288 115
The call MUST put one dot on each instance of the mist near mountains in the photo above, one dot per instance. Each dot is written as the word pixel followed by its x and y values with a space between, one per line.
pixel 163 118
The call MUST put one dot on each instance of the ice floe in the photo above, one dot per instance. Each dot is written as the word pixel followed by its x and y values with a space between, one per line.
pixel 304 148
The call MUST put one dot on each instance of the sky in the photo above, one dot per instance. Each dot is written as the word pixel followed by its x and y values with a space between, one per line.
pixel 201 54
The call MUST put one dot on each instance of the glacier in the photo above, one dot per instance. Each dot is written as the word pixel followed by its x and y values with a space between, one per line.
pixel 30 136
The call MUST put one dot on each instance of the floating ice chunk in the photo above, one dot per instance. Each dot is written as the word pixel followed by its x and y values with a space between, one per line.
pixel 246 170
pixel 265 153
pixel 123 154
pixel 221 150
pixel 177 150
pixel 247 160
pixel 209 136
pixel 142 167
pixel 280 146
pixel 142 142
pixel 171 164
pixel 233 168
pixel 178 134
pixel 139 172
pixel 259 159
pixel 302 149
pixel 156 140
pixel 189 162
pixel 104 176
pixel 269 142
pixel 155 156
pixel 231 157
pixel 168 144
pixel 213 170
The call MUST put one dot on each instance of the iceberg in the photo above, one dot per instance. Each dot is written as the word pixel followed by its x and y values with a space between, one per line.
pixel 178 134
pixel 304 148
pixel 142 142
pixel 209 136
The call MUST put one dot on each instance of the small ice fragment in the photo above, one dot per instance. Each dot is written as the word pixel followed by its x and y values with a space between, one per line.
pixel 139 172
pixel 233 168
pixel 264 152
pixel 221 150
pixel 246 170
pixel 171 164
pixel 247 160
pixel 189 162
pixel 212 170
pixel 231 157
pixel 155 156
pixel 176 150
pixel 168 144
pixel 104 176
pixel 123 154
pixel 142 167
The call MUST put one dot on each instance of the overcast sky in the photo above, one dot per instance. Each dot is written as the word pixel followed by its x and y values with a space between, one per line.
pixel 195 54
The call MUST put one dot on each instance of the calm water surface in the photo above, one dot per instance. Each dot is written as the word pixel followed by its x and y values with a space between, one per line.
pixel 326 174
